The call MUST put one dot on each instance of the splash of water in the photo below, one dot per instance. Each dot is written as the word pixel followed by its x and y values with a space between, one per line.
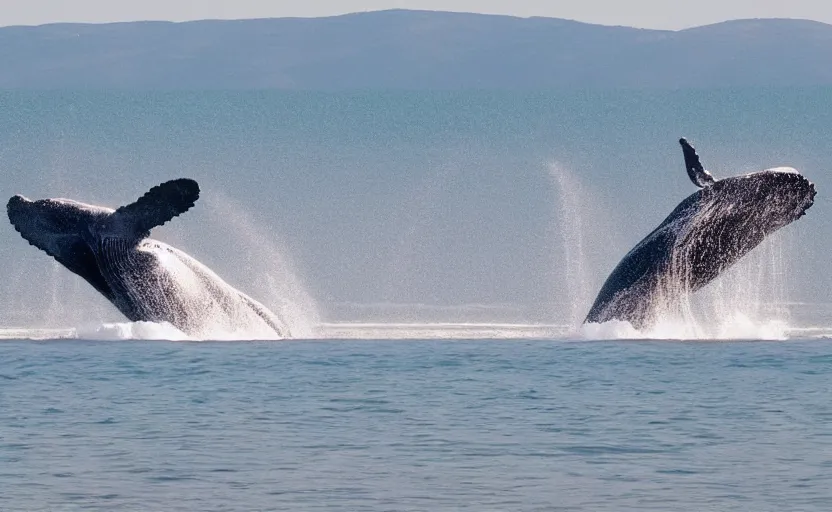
pixel 129 331
pixel 160 331
pixel 260 266
pixel 748 301
pixel 754 290
pixel 569 224
pixel 735 326
pixel 751 289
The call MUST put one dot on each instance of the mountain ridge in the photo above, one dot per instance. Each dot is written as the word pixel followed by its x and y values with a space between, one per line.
pixel 404 49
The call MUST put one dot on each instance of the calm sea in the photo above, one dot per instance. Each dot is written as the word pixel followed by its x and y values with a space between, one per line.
pixel 419 425
pixel 495 214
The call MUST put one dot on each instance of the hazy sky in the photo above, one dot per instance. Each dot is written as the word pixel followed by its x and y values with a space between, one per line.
pixel 640 13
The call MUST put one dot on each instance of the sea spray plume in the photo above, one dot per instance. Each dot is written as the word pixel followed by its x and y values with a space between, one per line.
pixel 570 200
pixel 270 272
pixel 749 300
pixel 707 233
pixel 145 279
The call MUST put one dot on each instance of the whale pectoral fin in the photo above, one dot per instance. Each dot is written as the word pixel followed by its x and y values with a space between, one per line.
pixel 698 175
pixel 160 204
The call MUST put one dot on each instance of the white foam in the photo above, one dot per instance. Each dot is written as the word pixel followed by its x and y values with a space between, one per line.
pixel 121 331
pixel 612 330
pixel 117 331
pixel 736 326
pixel 740 326
pixel 131 331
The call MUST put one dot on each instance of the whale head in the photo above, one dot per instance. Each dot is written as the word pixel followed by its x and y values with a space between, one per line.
pixel 53 224
pixel 734 215
pixel 783 194
pixel 760 202
pixel 60 228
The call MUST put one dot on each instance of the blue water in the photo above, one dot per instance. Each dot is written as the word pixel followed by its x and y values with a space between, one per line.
pixel 373 215
pixel 415 425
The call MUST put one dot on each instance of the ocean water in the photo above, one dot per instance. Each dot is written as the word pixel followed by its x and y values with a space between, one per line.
pixel 380 425
pixel 436 254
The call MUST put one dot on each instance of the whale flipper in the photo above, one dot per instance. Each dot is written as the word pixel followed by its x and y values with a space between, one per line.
pixel 698 175
pixel 159 205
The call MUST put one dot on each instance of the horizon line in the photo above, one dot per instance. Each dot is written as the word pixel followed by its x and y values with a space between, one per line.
pixel 379 11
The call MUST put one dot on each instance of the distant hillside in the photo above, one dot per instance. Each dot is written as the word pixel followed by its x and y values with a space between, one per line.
pixel 412 50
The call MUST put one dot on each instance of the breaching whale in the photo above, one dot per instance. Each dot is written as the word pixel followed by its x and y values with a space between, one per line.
pixel 707 233
pixel 147 280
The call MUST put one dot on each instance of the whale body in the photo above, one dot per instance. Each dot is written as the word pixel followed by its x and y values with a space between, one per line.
pixel 705 234
pixel 145 279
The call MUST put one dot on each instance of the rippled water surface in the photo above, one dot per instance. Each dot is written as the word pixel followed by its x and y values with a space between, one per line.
pixel 380 425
